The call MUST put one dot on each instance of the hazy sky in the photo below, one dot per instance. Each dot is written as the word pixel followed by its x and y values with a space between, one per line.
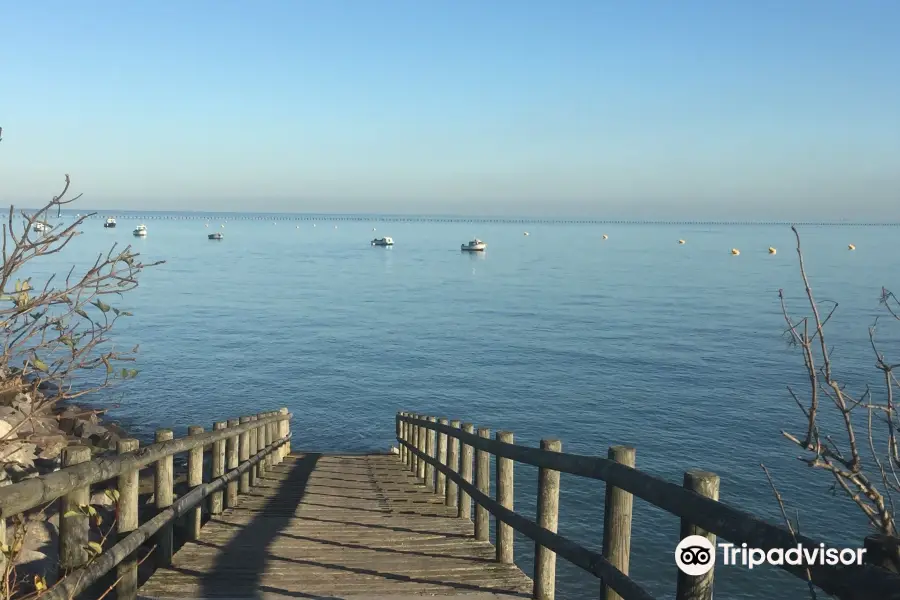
pixel 695 108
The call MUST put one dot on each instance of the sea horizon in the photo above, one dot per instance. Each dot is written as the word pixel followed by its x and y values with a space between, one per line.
pixel 463 218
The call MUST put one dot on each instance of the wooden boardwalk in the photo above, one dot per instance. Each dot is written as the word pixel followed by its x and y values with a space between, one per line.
pixel 321 526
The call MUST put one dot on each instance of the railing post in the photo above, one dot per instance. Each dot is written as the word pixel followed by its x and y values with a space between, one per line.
pixel 414 440
pixel 483 484
pixel 73 530
pixel 261 440
pixel 548 518
pixel 243 455
pixel 401 435
pixel 218 469
pixel 270 438
pixel 284 428
pixel 440 487
pixel 617 520
pixel 505 498
pixel 164 495
pixel 466 455
pixel 398 433
pixel 699 587
pixel 452 496
pixel 430 450
pixel 254 448
pixel 231 462
pixel 421 447
pixel 195 478
pixel 128 485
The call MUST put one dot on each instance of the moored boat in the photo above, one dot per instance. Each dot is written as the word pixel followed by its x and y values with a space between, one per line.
pixel 140 231
pixel 110 222
pixel 475 245
pixel 385 241
pixel 215 236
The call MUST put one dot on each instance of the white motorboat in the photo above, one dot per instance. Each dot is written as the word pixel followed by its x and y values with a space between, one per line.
pixel 215 236
pixel 385 241
pixel 39 227
pixel 475 245
pixel 140 231
pixel 110 222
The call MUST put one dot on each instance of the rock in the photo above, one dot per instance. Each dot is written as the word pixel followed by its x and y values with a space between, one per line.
pixel 11 415
pixel 86 429
pixel 25 403
pixel 116 430
pixel 67 423
pixel 49 446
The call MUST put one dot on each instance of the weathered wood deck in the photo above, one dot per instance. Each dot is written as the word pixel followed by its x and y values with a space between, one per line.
pixel 321 526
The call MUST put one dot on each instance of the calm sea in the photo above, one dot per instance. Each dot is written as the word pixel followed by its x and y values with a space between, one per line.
pixel 675 349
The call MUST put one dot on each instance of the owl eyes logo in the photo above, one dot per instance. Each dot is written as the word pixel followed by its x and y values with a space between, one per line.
pixel 695 555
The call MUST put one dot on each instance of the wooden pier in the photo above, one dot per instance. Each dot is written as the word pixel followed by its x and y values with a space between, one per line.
pixel 256 520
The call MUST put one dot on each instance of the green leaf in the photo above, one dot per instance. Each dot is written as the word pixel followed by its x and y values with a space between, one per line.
pixel 112 494
pixel 124 373
pixel 116 311
pixel 99 304
pixel 125 313
pixel 91 511
pixel 109 369
pixel 18 285
pixel 95 547
pixel 68 341
pixel 40 365
pixel 80 312
pixel 72 513
pixel 133 373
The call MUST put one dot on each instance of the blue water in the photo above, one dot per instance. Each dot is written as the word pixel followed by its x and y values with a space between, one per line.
pixel 675 349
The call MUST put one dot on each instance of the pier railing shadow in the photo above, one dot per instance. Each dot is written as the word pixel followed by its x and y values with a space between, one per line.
pixel 247 550
pixel 454 460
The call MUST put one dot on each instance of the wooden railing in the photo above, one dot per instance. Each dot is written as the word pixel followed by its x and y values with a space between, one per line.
pixel 440 452
pixel 241 451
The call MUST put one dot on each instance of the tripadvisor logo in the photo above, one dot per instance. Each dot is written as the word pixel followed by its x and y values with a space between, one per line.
pixel 696 555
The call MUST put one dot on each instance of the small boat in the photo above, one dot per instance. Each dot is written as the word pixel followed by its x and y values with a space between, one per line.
pixel 772 250
pixel 110 222
pixel 216 236
pixel 475 245
pixel 851 247
pixel 681 241
pixel 735 251
pixel 385 241
pixel 39 227
pixel 140 231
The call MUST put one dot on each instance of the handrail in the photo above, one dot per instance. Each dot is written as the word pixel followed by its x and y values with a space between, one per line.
pixel 592 562
pixel 242 451
pixel 30 493
pixel 76 582
pixel 862 582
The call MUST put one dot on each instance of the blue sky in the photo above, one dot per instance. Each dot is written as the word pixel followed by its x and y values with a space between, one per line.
pixel 593 107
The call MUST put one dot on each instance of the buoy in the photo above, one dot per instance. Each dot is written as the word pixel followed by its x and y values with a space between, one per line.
pixel 207 224
pixel 772 250
pixel 851 247
pixel 735 251
pixel 605 237
pixel 680 241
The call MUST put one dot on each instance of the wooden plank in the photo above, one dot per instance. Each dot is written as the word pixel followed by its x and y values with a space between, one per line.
pixel 337 525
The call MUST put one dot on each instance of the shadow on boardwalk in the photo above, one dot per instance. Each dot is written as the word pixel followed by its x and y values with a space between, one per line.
pixel 247 551
pixel 325 526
